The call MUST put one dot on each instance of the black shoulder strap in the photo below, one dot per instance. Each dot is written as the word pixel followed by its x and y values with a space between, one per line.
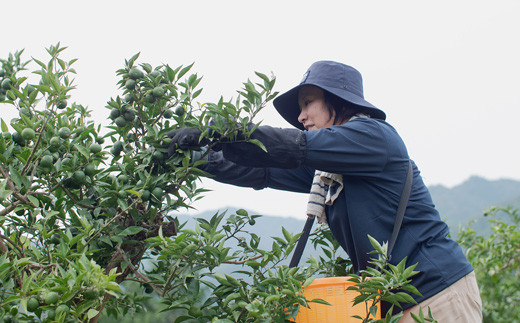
pixel 301 243
pixel 401 208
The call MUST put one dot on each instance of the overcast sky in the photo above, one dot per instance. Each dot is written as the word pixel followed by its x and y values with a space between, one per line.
pixel 447 73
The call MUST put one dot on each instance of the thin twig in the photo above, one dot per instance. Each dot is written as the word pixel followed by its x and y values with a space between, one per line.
pixel 10 208
pixel 37 143
pixel 11 242
pixel 12 187
pixel 242 261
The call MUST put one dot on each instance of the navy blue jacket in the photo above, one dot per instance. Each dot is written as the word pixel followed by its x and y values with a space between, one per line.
pixel 373 160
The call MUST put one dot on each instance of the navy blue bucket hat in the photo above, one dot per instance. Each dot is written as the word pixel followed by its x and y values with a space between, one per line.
pixel 339 79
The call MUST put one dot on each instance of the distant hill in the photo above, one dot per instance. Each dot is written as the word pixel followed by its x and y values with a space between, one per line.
pixel 466 202
pixel 457 206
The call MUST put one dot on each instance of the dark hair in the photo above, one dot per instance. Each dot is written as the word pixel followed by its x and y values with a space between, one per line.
pixel 344 110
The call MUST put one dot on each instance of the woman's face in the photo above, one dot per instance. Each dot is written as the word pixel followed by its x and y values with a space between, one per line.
pixel 314 113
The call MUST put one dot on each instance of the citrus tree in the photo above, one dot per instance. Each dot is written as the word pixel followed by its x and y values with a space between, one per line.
pixel 495 257
pixel 87 219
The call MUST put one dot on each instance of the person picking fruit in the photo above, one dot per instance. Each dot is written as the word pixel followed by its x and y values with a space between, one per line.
pixel 338 133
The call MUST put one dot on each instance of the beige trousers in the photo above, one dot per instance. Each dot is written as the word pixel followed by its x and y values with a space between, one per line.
pixel 459 303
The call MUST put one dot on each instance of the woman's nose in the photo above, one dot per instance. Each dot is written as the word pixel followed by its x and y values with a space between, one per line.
pixel 302 116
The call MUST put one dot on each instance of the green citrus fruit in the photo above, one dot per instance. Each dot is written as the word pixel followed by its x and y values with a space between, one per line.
pixel 62 104
pixel 90 170
pixel 122 179
pixel 17 138
pixel 2 72
pixel 168 114
pixel 157 193
pixel 158 91
pixel 28 134
pixel 155 74
pixel 179 110
pixel 100 140
pixel 32 304
pixel 150 98
pixel 145 196
pixel 51 298
pixel 148 289
pixel 129 115
pixel 62 308
pixel 129 98
pixel 114 151
pixel 114 113
pixel 55 142
pixel 118 146
pixel 51 314
pixel 252 222
pixel 6 84
pixel 130 84
pixel 135 73
pixel 79 177
pixel 46 161
pixel 95 148
pixel 120 122
pixel 64 132
pixel 121 194
pixel 131 137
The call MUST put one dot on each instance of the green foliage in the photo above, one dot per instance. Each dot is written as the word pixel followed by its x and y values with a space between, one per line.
pixel 79 204
pixel 332 264
pixel 87 225
pixel 496 261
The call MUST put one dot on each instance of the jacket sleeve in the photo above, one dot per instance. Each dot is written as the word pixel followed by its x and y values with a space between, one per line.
pixel 226 171
pixel 285 149
pixel 358 147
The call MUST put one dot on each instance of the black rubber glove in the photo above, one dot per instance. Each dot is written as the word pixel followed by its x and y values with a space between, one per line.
pixel 286 148
pixel 185 138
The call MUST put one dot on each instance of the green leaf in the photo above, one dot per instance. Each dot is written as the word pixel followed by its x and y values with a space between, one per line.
pixel 258 143
pixel 131 231
pixel 320 301
pixel 92 313
pixel 241 212
pixel 34 200
pixel 15 176
pixel 286 234
pixel 375 244
pixel 4 125
pixel 83 150
pixel 134 193
pixel 4 192
pixel 184 71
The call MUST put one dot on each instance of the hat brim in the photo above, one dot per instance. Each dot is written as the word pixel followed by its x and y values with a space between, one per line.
pixel 287 104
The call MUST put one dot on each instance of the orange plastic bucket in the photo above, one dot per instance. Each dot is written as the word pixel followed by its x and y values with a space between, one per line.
pixel 334 291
